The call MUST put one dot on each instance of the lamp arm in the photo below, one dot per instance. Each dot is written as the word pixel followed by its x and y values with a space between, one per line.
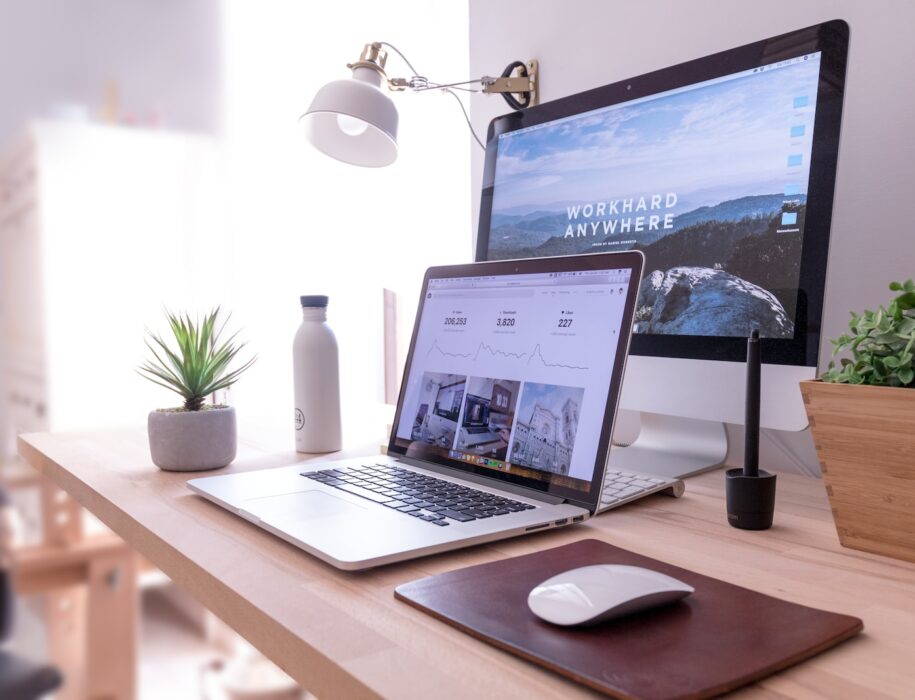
pixel 519 91
pixel 399 53
pixel 524 85
pixel 418 83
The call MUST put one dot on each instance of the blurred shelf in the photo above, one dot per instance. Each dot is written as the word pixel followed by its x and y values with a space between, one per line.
pixel 15 473
pixel 42 568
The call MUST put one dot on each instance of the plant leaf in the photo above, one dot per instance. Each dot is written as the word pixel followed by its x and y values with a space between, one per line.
pixel 196 364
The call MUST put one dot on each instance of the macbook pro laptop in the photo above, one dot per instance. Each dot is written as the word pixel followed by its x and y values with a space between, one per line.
pixel 503 424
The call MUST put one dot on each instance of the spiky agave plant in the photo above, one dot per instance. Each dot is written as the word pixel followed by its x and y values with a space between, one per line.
pixel 199 366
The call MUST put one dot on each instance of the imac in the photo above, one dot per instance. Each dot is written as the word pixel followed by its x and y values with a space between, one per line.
pixel 721 171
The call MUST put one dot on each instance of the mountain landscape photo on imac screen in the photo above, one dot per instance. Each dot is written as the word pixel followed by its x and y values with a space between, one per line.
pixel 709 181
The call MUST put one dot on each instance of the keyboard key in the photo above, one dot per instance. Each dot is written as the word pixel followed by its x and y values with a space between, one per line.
pixel 630 491
pixel 395 504
pixel 476 513
pixel 642 483
pixel 365 493
pixel 407 509
pixel 439 522
pixel 456 515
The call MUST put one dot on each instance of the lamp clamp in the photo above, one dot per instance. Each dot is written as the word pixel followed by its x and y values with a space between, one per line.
pixel 519 86
pixel 415 82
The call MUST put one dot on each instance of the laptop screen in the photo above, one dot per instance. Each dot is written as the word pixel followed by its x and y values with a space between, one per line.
pixel 510 374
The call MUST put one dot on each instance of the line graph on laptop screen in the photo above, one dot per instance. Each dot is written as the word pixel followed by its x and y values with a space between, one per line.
pixel 512 372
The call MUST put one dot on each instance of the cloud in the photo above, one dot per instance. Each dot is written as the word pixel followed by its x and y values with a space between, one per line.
pixel 732 133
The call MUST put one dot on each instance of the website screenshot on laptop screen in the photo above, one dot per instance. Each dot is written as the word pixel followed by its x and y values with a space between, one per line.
pixel 512 372
pixel 709 181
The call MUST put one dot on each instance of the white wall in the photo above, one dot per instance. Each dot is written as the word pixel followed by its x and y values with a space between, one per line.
pixel 586 43
pixel 287 219
pixel 57 57
pixel 164 56
pixel 306 224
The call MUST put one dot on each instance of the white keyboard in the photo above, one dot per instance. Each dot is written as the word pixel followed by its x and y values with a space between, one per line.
pixel 623 487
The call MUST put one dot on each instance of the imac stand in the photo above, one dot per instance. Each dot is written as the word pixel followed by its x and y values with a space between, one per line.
pixel 673 446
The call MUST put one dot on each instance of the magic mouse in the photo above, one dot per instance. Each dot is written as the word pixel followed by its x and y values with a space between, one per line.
pixel 593 594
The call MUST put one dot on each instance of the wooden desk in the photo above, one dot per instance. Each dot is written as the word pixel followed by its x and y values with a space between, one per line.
pixel 344 636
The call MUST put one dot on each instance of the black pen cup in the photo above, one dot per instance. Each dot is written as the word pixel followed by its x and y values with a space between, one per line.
pixel 750 499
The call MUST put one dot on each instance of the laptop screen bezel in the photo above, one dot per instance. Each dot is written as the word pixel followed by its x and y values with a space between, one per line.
pixel 624 260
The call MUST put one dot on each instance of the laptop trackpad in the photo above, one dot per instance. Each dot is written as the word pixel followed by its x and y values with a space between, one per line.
pixel 299 506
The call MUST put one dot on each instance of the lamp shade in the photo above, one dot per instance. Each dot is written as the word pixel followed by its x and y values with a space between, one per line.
pixel 354 121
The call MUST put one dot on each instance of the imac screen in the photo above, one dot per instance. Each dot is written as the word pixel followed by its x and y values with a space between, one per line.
pixel 721 170
pixel 709 181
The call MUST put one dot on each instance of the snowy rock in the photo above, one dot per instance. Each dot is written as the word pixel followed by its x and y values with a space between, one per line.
pixel 705 301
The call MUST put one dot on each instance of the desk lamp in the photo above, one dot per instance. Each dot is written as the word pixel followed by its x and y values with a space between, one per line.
pixel 353 120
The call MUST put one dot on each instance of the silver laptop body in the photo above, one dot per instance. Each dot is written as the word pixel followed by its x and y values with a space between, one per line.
pixel 503 424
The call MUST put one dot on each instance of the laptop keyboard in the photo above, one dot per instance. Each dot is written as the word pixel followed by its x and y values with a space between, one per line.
pixel 433 500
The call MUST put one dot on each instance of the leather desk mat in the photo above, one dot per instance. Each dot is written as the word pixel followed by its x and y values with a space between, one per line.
pixel 717 639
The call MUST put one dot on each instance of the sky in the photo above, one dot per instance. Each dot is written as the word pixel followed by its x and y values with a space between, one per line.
pixel 708 144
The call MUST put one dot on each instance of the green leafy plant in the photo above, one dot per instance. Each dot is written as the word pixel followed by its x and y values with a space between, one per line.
pixel 199 365
pixel 880 344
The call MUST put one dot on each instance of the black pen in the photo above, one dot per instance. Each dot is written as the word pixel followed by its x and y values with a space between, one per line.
pixel 751 419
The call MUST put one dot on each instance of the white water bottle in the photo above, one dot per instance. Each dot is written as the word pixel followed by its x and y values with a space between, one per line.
pixel 316 374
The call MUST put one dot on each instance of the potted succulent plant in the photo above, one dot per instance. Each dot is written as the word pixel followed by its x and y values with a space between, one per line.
pixel 862 415
pixel 194 436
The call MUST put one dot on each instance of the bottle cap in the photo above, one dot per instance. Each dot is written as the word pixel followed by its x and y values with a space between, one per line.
pixel 314 300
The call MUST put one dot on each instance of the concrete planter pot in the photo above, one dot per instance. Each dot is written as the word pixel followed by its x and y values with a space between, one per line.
pixel 189 441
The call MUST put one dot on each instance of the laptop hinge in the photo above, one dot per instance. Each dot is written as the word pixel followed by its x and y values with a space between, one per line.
pixel 483 480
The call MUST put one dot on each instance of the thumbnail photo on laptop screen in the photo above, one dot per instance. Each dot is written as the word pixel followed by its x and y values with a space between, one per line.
pixel 709 181
pixel 512 373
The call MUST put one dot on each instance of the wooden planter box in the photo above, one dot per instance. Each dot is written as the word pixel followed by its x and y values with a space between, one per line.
pixel 865 441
